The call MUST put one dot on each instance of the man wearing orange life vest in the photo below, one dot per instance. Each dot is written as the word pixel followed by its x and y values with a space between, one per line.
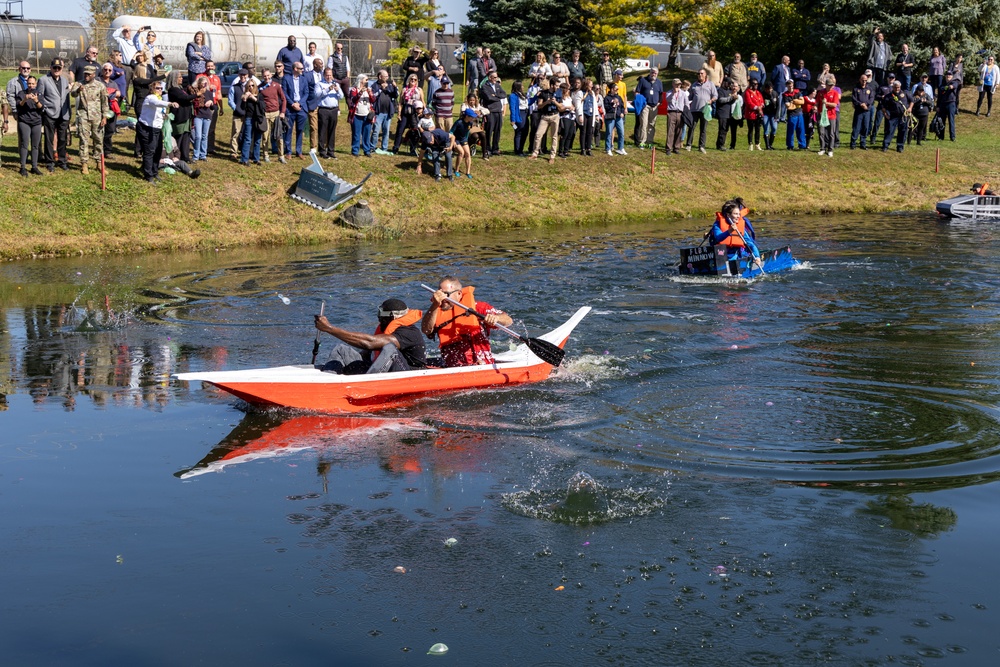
pixel 463 337
pixel 396 345
pixel 732 229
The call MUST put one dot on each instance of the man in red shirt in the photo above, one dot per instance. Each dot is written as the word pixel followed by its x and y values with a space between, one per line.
pixel 275 105
pixel 463 337
pixel 828 101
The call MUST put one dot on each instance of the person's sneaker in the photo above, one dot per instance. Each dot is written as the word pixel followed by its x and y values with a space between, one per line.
pixel 152 180
pixel 822 152
pixel 701 149
pixel 751 146
pixel 621 151
pixel 687 148
pixel 282 160
pixel 35 171
pixel 830 153
pixel 759 148
pixel 552 160
pixel 470 176
pixel 195 174
pixel 610 153
pixel 267 159
pixel 438 178
pixel 52 168
pixel 23 172
pixel 451 178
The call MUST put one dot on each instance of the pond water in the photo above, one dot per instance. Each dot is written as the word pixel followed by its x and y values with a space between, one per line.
pixel 797 470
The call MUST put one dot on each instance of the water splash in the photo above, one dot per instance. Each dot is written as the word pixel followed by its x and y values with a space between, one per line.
pixel 583 501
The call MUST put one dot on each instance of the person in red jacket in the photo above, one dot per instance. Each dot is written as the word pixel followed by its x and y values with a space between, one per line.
pixel 753 111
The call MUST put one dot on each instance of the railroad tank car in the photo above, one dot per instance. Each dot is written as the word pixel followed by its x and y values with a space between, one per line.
pixel 39 41
pixel 229 38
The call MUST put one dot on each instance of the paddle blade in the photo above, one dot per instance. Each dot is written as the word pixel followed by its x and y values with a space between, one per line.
pixel 546 351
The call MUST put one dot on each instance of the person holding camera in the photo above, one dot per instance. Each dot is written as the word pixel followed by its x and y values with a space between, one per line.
pixel 29 125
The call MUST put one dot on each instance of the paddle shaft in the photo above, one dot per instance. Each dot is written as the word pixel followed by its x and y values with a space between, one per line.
pixel 472 311
pixel 548 352
pixel 322 306
pixel 745 245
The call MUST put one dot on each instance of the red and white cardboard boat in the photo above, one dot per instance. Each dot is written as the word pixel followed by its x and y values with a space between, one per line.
pixel 307 388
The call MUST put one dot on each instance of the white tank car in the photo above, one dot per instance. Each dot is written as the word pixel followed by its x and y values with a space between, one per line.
pixel 229 41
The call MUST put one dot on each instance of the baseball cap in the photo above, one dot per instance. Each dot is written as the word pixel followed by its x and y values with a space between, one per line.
pixel 470 113
pixel 619 71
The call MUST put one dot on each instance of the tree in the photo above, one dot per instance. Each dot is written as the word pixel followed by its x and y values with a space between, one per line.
pixel 676 20
pixel 400 18
pixel 255 11
pixel 842 27
pixel 103 12
pixel 612 27
pixel 516 29
pixel 360 11
pixel 769 28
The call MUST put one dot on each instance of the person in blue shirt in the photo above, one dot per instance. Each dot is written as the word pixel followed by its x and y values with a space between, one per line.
pixel 801 76
pixel 733 229
pixel 291 54
pixel 650 89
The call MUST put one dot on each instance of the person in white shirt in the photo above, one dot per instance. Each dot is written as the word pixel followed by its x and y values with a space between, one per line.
pixel 329 94
pixel 150 130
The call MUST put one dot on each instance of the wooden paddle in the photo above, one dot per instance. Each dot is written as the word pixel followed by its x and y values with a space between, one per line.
pixel 548 352
pixel 322 305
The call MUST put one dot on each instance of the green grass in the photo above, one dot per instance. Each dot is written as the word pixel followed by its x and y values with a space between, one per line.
pixel 67 213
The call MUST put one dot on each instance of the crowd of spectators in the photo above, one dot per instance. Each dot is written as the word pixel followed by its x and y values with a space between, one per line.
pixel 556 110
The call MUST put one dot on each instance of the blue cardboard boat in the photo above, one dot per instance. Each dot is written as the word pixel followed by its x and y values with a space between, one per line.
pixel 711 261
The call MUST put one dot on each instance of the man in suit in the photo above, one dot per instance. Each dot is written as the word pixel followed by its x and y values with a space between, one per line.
pixel 493 97
pixel 779 75
pixel 299 95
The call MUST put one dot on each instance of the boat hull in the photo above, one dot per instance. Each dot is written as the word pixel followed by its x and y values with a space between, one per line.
pixel 711 261
pixel 971 207
pixel 307 388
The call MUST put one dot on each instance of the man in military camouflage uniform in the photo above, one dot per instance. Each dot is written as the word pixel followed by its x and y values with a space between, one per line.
pixel 91 110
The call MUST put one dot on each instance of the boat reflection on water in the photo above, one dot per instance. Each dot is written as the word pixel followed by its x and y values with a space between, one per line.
pixel 400 446
pixel 269 435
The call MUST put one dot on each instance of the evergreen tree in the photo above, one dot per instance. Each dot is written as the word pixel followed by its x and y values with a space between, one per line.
pixel 842 28
pixel 517 29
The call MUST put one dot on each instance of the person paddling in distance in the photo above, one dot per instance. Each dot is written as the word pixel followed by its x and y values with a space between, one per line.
pixel 397 344
pixel 463 337
pixel 732 229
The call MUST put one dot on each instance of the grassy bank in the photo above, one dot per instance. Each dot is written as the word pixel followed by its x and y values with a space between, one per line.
pixel 231 205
